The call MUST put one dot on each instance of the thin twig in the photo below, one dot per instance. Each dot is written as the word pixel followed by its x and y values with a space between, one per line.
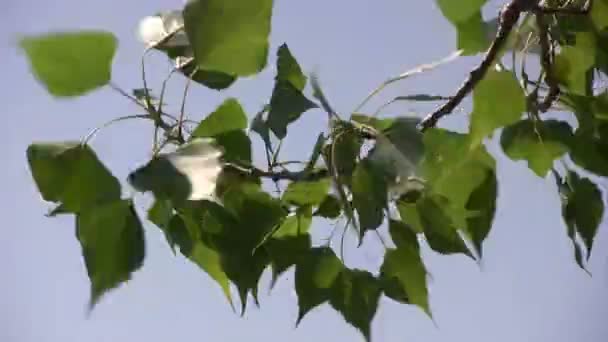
pixel 509 17
pixel 417 70
pixel 96 130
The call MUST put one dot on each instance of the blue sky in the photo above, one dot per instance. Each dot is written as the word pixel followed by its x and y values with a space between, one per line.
pixel 527 288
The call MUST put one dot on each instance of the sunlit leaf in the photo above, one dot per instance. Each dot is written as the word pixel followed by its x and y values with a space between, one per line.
pixel 112 241
pixel 307 192
pixel 229 116
pixel 498 100
pixel 454 170
pixel 240 50
pixel 71 63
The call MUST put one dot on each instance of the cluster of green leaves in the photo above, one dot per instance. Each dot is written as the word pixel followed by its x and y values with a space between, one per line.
pixel 440 185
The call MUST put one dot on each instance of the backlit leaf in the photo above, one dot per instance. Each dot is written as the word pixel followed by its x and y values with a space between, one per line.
pixel 71 63
pixel 240 50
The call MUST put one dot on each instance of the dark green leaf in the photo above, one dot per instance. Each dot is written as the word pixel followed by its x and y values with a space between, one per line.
pixel 378 124
pixel 329 208
pixel 573 62
pixel 71 63
pixel 316 152
pixel 210 79
pixel 228 117
pixel 583 210
pixel 343 152
pixel 355 294
pixel 369 196
pixel 589 149
pixel 290 242
pixel 540 143
pixel 236 146
pixel 288 68
pixel 287 104
pixel 482 205
pixel 257 214
pixel 404 265
pixel 112 241
pixel 498 101
pixel 160 213
pixel 314 277
pixel 71 174
pixel 240 50
pixel 307 192
pixel 440 231
pixel 210 261
pixel 398 150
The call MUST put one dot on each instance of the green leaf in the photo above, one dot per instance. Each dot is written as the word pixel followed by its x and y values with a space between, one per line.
pixel 329 208
pixel 599 14
pixel 589 149
pixel 472 37
pixel 573 61
pixel 287 104
pixel 228 117
pixel 314 277
pixel 482 202
pixel 210 79
pixel 439 230
pixel 355 294
pixel 112 241
pixel 404 265
pixel 583 210
pixel 71 174
pixel 343 152
pixel 236 146
pixel 498 100
pixel 288 68
pixel 398 150
pixel 460 11
pixel 210 261
pixel 378 124
pixel 369 196
pixel 316 152
pixel 257 214
pixel 466 17
pixel 409 213
pixel 539 143
pixel 454 169
pixel 71 63
pixel 307 192
pixel 160 213
pixel 290 242
pixel 228 36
